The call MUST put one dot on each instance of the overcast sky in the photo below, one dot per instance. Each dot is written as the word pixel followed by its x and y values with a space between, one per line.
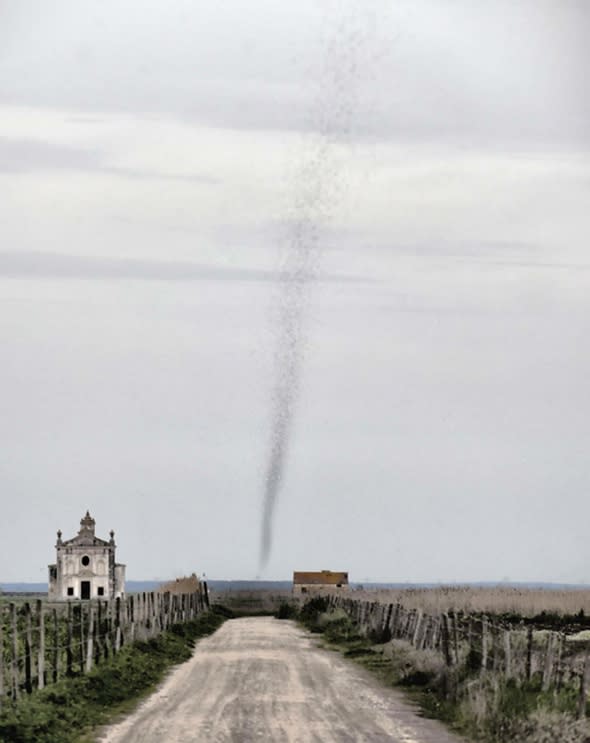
pixel 150 153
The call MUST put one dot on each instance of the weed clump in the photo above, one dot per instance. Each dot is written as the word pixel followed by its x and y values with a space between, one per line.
pixel 286 610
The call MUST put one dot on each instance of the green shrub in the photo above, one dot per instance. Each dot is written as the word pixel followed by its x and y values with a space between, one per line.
pixel 286 611
pixel 311 611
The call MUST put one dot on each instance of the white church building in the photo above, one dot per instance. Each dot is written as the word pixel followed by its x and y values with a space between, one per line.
pixel 85 566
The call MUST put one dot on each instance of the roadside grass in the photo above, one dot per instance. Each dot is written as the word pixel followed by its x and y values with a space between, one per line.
pixel 484 706
pixel 71 710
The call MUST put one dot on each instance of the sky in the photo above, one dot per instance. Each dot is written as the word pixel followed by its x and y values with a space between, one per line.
pixel 151 158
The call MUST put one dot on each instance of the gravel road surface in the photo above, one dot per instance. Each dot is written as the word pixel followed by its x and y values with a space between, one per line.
pixel 262 679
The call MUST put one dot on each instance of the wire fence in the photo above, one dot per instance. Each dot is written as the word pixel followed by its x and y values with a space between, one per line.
pixel 42 642
pixel 522 653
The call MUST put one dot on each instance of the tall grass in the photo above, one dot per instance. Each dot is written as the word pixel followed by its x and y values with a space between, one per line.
pixel 526 602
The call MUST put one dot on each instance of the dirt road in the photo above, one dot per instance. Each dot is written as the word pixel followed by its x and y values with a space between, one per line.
pixel 261 679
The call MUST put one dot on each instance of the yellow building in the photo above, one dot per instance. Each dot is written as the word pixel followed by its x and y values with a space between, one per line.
pixel 323 580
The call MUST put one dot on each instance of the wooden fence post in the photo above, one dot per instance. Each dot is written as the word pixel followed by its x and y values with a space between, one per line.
pixel 409 623
pixel 132 618
pixel 426 641
pixel 582 695
pixel 117 624
pixel 529 653
pixel 55 653
pixel 548 665
pixel 90 641
pixel 82 645
pixel 98 648
pixel 417 628
pixel 396 621
pixel 108 640
pixel 386 626
pixel 69 656
pixel 484 643
pixel 495 635
pixel 1 659
pixel 95 636
pixel 559 666
pixel 164 602
pixel 434 640
pixel 28 648
pixel 507 655
pixel 14 658
pixel 41 652
pixel 445 639
pixel 455 637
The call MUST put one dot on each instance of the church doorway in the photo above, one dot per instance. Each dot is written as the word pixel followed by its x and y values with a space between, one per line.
pixel 85 589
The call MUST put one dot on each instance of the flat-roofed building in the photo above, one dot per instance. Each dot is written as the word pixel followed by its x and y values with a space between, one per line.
pixel 322 580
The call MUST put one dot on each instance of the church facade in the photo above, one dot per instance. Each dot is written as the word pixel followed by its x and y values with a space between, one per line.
pixel 85 566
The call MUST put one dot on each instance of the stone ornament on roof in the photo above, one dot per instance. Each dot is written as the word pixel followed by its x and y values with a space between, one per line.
pixel 87 523
pixel 86 536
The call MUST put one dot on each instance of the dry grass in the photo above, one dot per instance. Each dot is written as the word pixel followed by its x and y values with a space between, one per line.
pixel 544 726
pixel 493 600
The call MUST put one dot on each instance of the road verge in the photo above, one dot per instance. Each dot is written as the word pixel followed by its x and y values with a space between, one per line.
pixel 70 710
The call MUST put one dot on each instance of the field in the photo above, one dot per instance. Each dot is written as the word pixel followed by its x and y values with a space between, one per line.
pixel 526 602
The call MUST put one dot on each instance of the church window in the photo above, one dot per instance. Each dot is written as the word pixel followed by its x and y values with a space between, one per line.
pixel 85 561
pixel 101 590
pixel 70 591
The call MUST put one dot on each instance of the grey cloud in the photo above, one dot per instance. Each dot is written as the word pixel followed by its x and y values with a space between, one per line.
pixel 471 73
pixel 36 265
pixel 136 173
pixel 540 265
pixel 28 155
pixel 31 155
